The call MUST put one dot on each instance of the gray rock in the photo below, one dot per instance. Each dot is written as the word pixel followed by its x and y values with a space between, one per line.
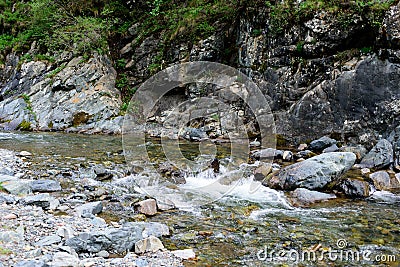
pixel 64 259
pixel 382 181
pixel 7 199
pixel 332 148
pixel 15 186
pixel 385 197
pixel 147 207
pixel 193 134
pixel 321 143
pixel 305 154
pixel 360 151
pixel 65 232
pixel 354 187
pixel 302 197
pixel 45 186
pixel 43 200
pixel 91 208
pixel 31 263
pixel 268 153
pixel 103 254
pixel 380 156
pixel 150 244
pixel 48 240
pixel 184 254
pixel 314 173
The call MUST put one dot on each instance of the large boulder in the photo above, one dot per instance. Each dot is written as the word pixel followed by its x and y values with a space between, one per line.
pixel 314 173
pixel 380 156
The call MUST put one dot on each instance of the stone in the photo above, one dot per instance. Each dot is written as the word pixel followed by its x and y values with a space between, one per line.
pixel 43 200
pixel 150 244
pixel 91 208
pixel 45 186
pixel 302 197
pixel 268 153
pixel 385 197
pixel 302 147
pixel 262 171
pixel 365 171
pixel 103 254
pixel 185 254
pixel 48 240
pixel 147 207
pixel 380 156
pixel 25 154
pixel 354 188
pixel 321 143
pixel 382 181
pixel 165 204
pixel 314 173
pixel 360 151
pixel 65 231
pixel 305 154
pixel 332 148
pixel 193 134
pixel 31 263
pixel 15 186
pixel 64 259
pixel 10 216
pixel 287 155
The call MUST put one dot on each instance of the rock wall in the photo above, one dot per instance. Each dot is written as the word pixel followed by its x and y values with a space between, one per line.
pixel 323 77
pixel 74 94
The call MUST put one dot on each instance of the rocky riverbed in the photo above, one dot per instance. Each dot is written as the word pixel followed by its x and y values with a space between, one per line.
pixel 84 209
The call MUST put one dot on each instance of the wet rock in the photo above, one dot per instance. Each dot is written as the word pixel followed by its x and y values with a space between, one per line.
pixel 314 173
pixel 262 171
pixel 43 200
pixel 48 240
pixel 302 197
pixel 102 173
pixel 185 254
pixel 147 207
pixel 193 134
pixel 45 186
pixel 382 181
pixel 321 143
pixel 90 209
pixel 268 153
pixel 380 156
pixel 116 239
pixel 354 187
pixel 150 244
pixel 64 259
pixel 165 204
pixel 385 197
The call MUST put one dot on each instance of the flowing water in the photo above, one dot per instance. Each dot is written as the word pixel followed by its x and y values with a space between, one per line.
pixel 243 228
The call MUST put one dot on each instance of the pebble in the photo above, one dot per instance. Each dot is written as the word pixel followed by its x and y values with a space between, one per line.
pixel 10 216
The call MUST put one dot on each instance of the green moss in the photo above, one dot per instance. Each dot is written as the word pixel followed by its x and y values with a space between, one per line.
pixel 24 126
pixel 5 251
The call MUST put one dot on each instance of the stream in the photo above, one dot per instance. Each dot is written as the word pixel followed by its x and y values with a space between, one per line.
pixel 241 228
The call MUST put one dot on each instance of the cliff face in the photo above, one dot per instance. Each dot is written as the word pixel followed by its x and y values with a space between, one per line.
pixel 326 71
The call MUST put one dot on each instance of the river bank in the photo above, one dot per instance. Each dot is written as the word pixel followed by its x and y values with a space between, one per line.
pixel 231 231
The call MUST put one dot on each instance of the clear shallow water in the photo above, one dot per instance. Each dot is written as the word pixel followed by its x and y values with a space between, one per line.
pixel 240 228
